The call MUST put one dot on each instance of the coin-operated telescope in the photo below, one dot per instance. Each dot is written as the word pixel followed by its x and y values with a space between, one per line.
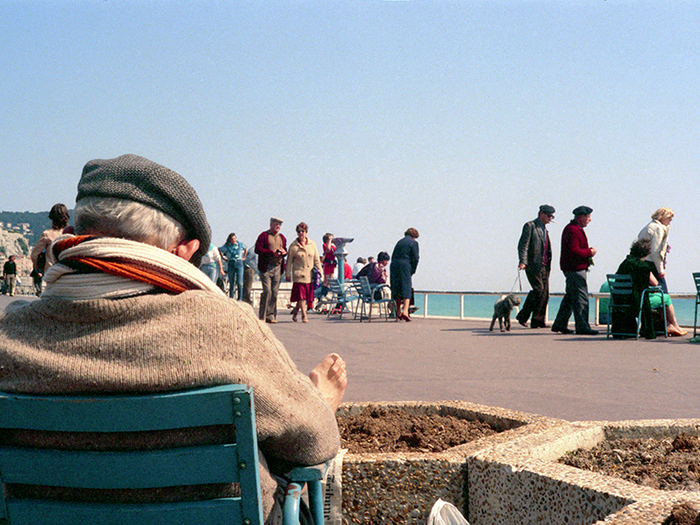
pixel 340 254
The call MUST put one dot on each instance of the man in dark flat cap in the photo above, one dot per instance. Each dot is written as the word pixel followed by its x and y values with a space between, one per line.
pixel 576 258
pixel 535 257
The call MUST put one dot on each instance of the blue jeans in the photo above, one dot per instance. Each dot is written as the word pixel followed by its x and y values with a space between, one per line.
pixel 235 276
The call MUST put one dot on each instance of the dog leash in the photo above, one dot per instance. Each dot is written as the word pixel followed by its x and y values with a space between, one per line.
pixel 517 281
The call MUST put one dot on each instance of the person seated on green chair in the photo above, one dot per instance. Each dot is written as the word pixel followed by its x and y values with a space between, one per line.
pixel 643 275
pixel 376 272
pixel 126 309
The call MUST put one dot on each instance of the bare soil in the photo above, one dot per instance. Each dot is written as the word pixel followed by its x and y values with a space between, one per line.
pixel 665 464
pixel 381 429
pixel 683 514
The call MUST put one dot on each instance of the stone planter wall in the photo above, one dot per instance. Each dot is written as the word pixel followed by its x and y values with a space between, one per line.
pixel 400 488
pixel 534 488
pixel 508 478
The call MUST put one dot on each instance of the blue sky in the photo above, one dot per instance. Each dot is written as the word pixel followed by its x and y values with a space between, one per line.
pixel 364 118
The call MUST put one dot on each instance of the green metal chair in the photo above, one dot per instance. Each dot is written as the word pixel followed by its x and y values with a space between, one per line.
pixel 341 298
pixel 371 295
pixel 233 462
pixel 621 293
pixel 696 278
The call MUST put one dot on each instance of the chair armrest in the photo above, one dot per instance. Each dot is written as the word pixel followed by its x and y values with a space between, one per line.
pixel 381 288
pixel 304 474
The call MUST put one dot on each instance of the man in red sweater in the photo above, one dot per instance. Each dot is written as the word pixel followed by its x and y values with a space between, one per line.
pixel 576 257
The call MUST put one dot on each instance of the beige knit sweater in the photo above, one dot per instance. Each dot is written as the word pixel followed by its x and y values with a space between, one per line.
pixel 166 342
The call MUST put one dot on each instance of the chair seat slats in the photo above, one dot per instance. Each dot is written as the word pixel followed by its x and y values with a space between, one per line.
pixel 121 470
pixel 31 512
pixel 85 413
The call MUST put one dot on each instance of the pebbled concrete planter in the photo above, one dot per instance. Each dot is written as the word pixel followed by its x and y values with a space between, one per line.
pixel 510 478
pixel 522 482
pixel 400 488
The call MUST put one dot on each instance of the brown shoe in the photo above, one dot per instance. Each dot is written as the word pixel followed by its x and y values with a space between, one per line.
pixel 271 321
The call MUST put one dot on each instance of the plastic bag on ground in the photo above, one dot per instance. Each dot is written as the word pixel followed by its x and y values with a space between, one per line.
pixel 445 513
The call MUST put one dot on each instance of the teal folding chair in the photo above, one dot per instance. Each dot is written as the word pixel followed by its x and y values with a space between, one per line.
pixel 230 461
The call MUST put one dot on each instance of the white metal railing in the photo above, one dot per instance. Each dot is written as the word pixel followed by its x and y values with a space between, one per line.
pixel 423 309
pixel 285 288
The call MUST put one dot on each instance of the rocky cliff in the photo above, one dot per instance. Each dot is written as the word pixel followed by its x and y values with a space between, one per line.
pixel 13 243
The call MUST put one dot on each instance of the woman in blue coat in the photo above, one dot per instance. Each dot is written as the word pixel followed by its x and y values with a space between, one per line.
pixel 404 262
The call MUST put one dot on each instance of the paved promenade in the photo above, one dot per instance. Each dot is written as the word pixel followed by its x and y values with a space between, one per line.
pixel 569 377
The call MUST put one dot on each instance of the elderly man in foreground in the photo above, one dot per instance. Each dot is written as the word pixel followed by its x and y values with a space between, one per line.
pixel 126 310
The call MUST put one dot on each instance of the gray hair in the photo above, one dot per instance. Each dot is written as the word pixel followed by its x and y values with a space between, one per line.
pixel 127 219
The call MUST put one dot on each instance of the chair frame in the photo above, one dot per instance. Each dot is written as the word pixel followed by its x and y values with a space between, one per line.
pixel 135 469
pixel 696 278
pixel 366 294
pixel 621 284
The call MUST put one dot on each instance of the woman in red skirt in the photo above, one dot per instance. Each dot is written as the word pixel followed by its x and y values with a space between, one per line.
pixel 302 257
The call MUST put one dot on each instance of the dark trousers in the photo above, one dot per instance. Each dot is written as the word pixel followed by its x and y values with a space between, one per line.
pixel 270 281
pixel 537 299
pixel 575 300
pixel 248 277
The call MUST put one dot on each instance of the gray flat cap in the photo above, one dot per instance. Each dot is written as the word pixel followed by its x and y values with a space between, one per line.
pixel 141 180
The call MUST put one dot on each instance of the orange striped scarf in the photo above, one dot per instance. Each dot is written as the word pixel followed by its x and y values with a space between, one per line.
pixel 116 266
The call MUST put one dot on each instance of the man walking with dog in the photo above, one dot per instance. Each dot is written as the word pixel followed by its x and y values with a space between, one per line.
pixel 576 258
pixel 535 257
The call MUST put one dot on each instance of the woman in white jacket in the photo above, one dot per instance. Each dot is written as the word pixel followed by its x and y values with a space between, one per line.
pixel 657 233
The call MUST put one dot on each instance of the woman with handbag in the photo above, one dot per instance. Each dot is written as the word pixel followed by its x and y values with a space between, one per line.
pixel 301 259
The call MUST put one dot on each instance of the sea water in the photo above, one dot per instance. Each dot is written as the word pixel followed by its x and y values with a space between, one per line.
pixel 481 306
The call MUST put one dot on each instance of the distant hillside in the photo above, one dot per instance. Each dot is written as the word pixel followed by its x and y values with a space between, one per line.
pixel 12 243
pixel 38 222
